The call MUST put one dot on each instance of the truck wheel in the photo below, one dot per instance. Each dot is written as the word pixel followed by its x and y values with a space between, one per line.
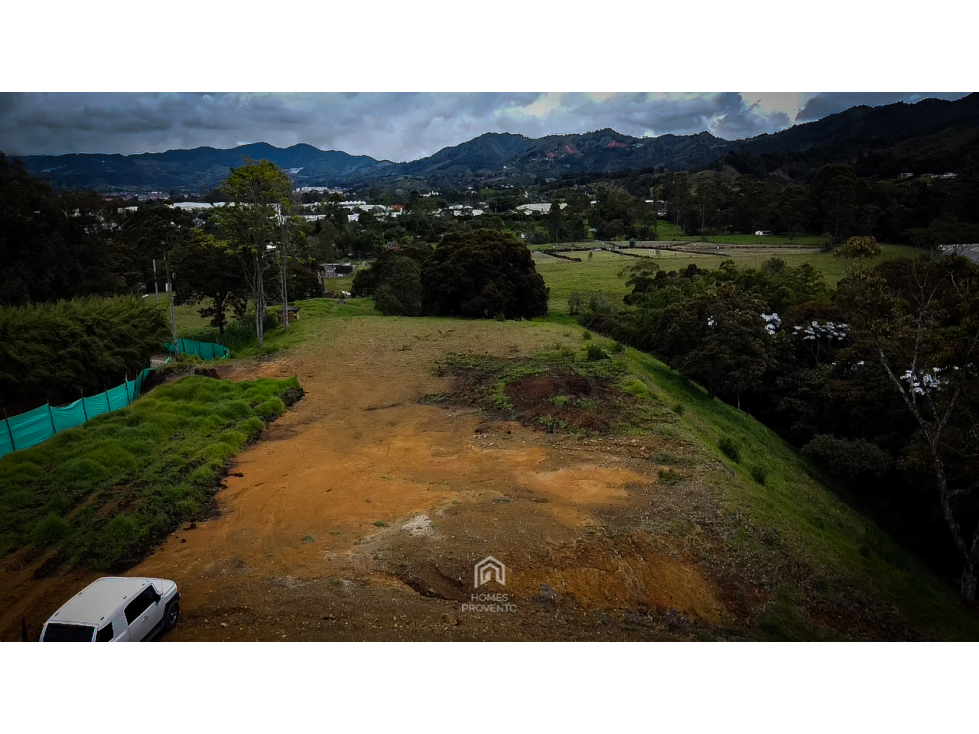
pixel 171 616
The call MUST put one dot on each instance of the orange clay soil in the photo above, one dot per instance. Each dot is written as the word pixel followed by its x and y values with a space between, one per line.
pixel 361 512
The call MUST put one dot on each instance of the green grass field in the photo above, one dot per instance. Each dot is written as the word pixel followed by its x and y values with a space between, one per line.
pixel 601 272
pixel 104 492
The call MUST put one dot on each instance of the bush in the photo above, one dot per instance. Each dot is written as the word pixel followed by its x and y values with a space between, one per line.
pixel 54 351
pixel 730 449
pixel 847 460
pixel 52 528
pixel 595 353
pixel 759 474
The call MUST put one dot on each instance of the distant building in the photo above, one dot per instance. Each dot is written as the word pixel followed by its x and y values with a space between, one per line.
pixel 335 270
pixel 902 176
pixel 542 208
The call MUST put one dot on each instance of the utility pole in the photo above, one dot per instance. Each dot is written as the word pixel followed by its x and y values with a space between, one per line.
pixel 173 313
pixel 283 275
pixel 156 286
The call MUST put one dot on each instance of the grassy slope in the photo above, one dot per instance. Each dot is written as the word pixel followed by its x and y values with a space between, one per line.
pixel 796 501
pixel 104 492
pixel 812 527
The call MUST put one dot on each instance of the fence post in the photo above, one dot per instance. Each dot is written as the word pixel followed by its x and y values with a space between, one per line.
pixel 84 412
pixel 54 428
pixel 128 401
pixel 108 405
pixel 9 432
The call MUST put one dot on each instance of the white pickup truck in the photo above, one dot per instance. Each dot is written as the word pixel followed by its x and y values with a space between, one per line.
pixel 116 609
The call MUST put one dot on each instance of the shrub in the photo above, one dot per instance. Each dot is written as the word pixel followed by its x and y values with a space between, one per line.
pixel 52 528
pixel 847 460
pixel 730 449
pixel 52 351
pixel 595 353
pixel 759 474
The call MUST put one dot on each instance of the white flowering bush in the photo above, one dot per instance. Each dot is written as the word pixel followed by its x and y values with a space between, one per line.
pixel 773 322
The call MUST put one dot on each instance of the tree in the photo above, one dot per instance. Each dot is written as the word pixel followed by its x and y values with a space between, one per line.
pixel 857 249
pixel 794 208
pixel 752 202
pixel 483 274
pixel 401 292
pixel 834 190
pixel 921 319
pixel 150 233
pixel 718 339
pixel 555 223
pixel 55 246
pixel 210 273
pixel 259 197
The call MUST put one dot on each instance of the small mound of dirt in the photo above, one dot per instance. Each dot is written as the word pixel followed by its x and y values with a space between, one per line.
pixel 427 580
pixel 550 401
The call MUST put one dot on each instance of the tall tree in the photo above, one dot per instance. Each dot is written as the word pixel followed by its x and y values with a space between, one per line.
pixel 53 246
pixel 719 339
pixel 210 275
pixel 921 318
pixel 259 198
pixel 482 274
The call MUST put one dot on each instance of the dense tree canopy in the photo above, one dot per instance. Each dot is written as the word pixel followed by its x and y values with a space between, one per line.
pixel 481 274
pixel 54 246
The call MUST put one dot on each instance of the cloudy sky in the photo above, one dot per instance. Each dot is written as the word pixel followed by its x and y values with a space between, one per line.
pixel 393 126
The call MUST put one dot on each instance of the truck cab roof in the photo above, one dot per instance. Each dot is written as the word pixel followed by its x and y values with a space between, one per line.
pixel 101 600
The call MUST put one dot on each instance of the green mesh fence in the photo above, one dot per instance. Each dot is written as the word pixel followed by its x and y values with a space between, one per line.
pixel 204 350
pixel 31 428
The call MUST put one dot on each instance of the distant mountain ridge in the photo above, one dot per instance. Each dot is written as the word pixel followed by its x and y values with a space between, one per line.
pixel 198 169
pixel 504 155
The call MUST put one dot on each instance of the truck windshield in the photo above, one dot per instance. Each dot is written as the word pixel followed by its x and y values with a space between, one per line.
pixel 68 633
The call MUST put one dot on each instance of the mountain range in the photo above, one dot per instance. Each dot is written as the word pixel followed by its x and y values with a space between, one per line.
pixel 506 156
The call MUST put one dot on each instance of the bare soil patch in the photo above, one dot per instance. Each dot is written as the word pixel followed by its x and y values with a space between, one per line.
pixel 362 511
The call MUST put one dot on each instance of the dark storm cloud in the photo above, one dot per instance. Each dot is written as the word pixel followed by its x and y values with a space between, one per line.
pixel 396 126
pixel 828 103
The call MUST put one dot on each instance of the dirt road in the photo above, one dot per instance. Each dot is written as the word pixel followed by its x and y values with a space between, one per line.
pixel 361 513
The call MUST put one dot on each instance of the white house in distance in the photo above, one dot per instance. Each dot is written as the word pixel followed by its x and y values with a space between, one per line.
pixel 543 208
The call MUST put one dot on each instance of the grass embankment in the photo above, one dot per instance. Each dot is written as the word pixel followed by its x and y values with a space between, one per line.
pixel 794 560
pixel 104 493
pixel 824 565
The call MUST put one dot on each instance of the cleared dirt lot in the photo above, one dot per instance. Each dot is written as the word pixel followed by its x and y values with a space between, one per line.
pixel 361 512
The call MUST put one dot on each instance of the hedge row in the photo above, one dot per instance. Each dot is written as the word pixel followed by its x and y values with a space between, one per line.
pixel 54 352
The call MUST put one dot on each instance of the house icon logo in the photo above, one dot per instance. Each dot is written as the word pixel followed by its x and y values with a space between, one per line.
pixel 489 569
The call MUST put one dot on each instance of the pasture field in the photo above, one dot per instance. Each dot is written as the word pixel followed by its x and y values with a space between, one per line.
pixel 602 271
